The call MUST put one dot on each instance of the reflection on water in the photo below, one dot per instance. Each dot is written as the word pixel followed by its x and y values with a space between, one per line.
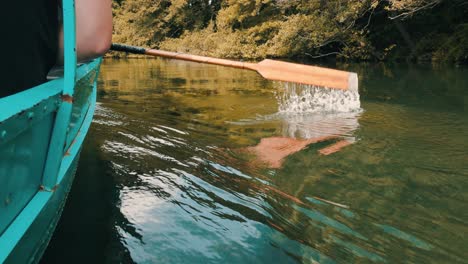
pixel 319 125
pixel 309 125
pixel 176 157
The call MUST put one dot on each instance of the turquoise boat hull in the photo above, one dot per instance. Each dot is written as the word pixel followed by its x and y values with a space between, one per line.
pixel 36 169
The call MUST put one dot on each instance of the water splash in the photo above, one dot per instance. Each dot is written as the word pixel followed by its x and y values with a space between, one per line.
pixel 299 98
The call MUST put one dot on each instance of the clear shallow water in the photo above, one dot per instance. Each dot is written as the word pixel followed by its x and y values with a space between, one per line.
pixel 188 163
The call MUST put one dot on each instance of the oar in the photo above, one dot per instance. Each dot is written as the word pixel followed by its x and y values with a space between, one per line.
pixel 269 69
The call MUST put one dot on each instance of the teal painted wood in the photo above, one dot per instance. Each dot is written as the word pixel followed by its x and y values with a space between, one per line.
pixel 21 157
pixel 41 134
pixel 25 237
pixel 69 43
pixel 59 134
pixel 80 101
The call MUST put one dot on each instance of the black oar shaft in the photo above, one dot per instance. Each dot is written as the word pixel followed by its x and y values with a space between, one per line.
pixel 127 48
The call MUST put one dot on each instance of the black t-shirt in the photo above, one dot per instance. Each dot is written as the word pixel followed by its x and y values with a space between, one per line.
pixel 28 44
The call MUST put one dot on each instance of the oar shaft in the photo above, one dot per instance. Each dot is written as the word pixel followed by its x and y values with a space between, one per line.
pixel 269 69
pixel 201 59
pixel 182 56
pixel 127 48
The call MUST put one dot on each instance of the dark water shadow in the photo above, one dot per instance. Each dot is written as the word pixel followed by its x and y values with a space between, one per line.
pixel 87 223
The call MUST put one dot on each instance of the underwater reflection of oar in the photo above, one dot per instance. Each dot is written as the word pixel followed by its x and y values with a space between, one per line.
pixel 269 69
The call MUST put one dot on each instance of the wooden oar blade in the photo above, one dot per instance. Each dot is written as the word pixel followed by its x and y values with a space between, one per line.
pixel 305 74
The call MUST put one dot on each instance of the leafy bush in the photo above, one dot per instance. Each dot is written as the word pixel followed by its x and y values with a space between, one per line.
pixel 254 29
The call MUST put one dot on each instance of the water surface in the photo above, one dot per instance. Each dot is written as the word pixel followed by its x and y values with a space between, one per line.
pixel 189 163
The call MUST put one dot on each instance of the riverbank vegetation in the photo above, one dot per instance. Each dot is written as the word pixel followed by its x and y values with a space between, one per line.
pixel 415 30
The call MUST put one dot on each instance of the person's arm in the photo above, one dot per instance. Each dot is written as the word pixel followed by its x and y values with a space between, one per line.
pixel 93 29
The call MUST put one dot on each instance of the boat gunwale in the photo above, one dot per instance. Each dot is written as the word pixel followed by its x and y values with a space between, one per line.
pixel 17 103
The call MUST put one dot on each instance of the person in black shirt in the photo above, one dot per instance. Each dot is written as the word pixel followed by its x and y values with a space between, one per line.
pixel 29 43
pixel 31 39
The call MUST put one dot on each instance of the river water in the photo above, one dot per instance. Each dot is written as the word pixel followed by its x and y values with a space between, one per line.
pixel 189 163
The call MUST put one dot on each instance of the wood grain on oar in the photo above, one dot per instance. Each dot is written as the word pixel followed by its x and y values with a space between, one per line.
pixel 269 69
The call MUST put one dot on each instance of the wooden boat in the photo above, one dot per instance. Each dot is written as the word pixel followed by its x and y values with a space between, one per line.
pixel 41 133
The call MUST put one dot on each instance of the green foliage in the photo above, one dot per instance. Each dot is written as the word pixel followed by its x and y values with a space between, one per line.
pixel 253 29
pixel 148 22
pixel 266 28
